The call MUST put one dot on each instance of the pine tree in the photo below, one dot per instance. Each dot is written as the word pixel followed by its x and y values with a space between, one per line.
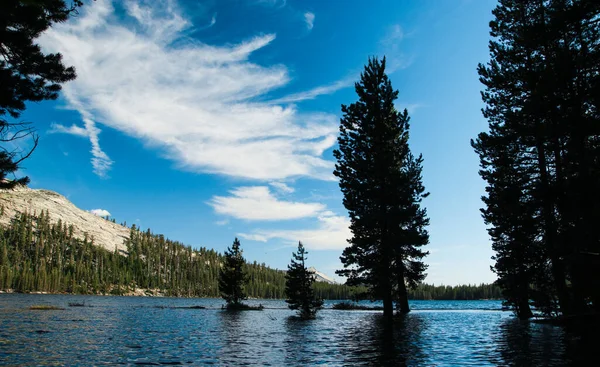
pixel 381 183
pixel 299 286
pixel 232 276
pixel 26 73
pixel 512 219
pixel 541 98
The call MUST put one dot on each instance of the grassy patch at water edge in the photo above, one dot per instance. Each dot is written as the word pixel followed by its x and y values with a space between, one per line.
pixel 45 307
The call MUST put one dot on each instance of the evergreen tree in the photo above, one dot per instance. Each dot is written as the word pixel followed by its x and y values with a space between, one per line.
pixel 47 255
pixel 541 157
pixel 26 73
pixel 232 276
pixel 381 183
pixel 512 219
pixel 299 286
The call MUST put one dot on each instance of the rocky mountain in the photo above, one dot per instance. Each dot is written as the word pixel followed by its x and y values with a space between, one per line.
pixel 23 199
pixel 105 233
pixel 320 277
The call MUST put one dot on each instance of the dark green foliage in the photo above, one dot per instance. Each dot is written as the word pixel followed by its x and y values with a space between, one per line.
pixel 242 307
pixel 36 255
pixel 458 293
pixel 299 286
pixel 232 276
pixel 541 156
pixel 381 183
pixel 26 73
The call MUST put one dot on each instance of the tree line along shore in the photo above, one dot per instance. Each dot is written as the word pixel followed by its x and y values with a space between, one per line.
pixel 39 256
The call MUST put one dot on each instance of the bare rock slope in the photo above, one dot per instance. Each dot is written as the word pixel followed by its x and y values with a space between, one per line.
pixel 23 199
pixel 320 277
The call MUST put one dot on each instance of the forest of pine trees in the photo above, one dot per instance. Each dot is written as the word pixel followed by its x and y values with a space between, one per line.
pixel 541 156
pixel 38 256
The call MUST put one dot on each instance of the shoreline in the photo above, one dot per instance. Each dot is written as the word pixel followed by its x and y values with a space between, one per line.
pixel 140 292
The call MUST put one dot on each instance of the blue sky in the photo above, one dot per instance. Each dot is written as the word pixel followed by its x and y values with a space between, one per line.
pixel 207 120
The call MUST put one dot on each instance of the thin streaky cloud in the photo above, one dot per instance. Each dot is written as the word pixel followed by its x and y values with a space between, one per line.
pixel 72 130
pixel 101 162
pixel 309 19
pixel 331 233
pixel 389 46
pixel 282 187
pixel 274 3
pixel 316 92
pixel 199 105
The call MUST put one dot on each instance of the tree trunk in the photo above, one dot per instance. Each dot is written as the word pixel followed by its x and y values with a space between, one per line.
pixel 388 306
pixel 550 231
pixel 402 306
pixel 523 308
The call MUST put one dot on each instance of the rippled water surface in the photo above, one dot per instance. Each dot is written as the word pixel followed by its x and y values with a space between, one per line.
pixel 155 331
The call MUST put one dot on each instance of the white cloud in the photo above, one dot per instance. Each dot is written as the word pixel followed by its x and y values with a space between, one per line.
pixel 273 3
pixel 282 187
pixel 257 203
pixel 318 91
pixel 196 103
pixel 100 212
pixel 394 34
pixel 222 222
pixel 331 233
pixel 309 19
pixel 390 47
pixel 410 107
pixel 100 160
pixel 73 130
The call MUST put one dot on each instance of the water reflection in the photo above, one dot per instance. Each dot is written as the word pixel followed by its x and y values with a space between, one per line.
pixel 123 330
pixel 233 337
pixel 377 342
pixel 298 339
pixel 524 343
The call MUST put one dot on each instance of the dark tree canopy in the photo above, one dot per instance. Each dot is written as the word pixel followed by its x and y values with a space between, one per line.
pixel 232 276
pixel 37 254
pixel 26 73
pixel 382 187
pixel 541 156
pixel 299 286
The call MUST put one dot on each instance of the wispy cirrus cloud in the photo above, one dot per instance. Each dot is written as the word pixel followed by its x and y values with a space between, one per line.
pixel 71 130
pixel 195 103
pixel 101 162
pixel 258 203
pixel 316 92
pixel 282 187
pixel 213 20
pixel 309 20
pixel 331 232
pixel 389 45
pixel 273 3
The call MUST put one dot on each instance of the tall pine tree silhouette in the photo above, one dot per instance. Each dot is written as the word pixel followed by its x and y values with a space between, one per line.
pixel 382 187
pixel 232 276
pixel 541 157
pixel 26 73
pixel 299 286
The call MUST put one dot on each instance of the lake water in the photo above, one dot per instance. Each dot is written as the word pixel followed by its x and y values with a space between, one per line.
pixel 151 331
